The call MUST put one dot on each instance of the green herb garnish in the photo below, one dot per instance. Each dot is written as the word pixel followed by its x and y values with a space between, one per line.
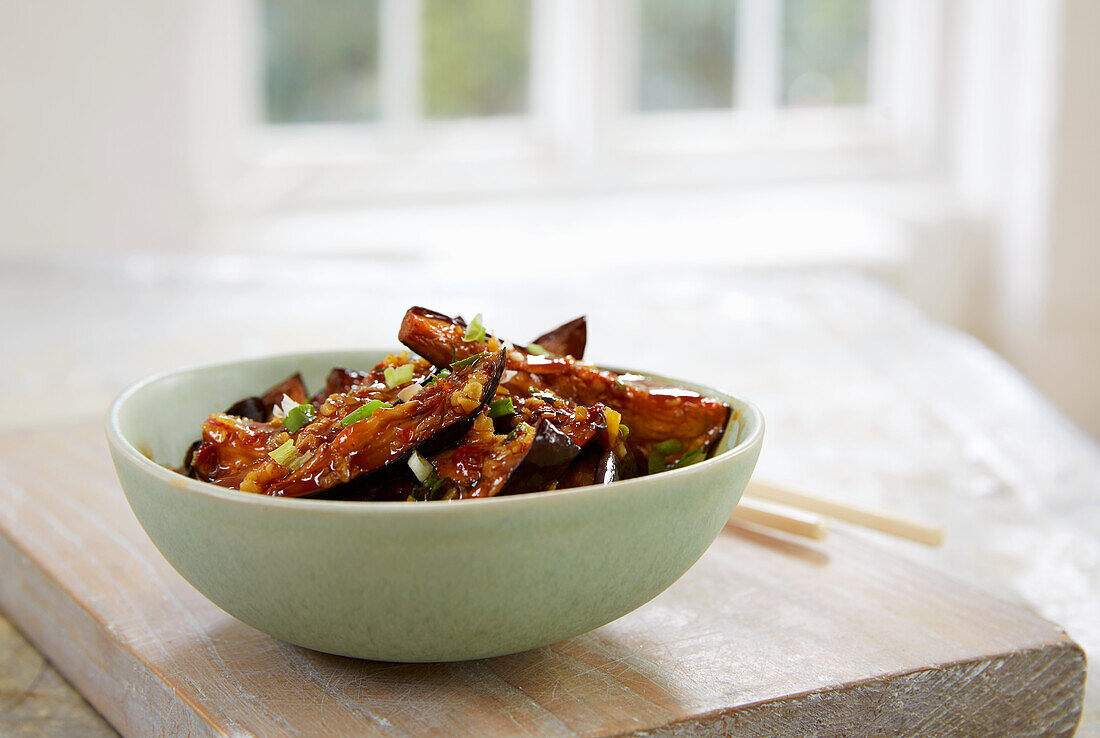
pixel 285 454
pixel 500 408
pixel 534 348
pixel 395 377
pixel 475 331
pixel 441 374
pixel 363 412
pixel 463 363
pixel 659 453
pixel 624 431
pixel 299 416
pixel 691 457
pixel 668 447
pixel 433 487
pixel 299 460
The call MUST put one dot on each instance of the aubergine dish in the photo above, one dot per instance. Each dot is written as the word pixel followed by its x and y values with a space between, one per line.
pixel 466 415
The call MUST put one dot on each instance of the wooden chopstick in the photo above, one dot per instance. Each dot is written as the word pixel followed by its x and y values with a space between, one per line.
pixel 768 515
pixel 929 535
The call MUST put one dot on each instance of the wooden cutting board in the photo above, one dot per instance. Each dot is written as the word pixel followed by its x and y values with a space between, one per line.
pixel 764 636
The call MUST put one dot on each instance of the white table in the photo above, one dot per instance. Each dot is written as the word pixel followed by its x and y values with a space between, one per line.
pixel 865 399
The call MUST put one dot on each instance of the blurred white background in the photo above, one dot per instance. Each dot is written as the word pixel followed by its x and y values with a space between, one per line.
pixel 949 149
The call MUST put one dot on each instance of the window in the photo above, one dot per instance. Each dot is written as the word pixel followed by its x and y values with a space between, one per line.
pixel 476 56
pixel 825 52
pixel 685 54
pixel 320 63
pixel 561 93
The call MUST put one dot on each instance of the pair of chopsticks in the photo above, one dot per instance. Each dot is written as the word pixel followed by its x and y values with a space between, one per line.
pixel 767 505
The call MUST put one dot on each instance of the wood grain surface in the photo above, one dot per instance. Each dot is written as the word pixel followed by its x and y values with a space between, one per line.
pixel 763 636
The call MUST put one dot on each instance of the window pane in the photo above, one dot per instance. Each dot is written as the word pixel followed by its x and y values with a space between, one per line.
pixel 686 54
pixel 825 52
pixel 320 60
pixel 475 57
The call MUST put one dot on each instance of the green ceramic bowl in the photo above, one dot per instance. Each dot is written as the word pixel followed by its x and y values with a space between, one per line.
pixel 398 581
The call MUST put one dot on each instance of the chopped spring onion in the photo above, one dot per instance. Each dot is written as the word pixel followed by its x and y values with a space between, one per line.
pixel 298 416
pixel 298 461
pixel 658 455
pixel 463 363
pixel 410 392
pixel 421 467
pixel 475 331
pixel 500 408
pixel 363 412
pixel 624 430
pixel 656 462
pixel 534 348
pixel 691 457
pixel 430 486
pixel 670 446
pixel 441 374
pixel 396 377
pixel 285 454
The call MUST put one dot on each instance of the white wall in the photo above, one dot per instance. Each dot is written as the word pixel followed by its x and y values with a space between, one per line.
pixel 1065 362
pixel 94 141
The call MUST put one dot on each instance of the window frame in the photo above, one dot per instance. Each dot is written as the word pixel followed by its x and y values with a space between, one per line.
pixel 580 133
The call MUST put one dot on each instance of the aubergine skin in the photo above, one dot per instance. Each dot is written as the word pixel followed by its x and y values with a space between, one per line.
pixel 653 414
pixel 607 469
pixel 550 453
pixel 252 408
pixel 340 380
pixel 440 338
pixel 343 381
pixel 482 461
pixel 486 464
pixel 595 465
pixel 230 447
pixel 260 407
pixel 428 422
pixel 293 387
pixel 568 339
pixel 538 440
pixel 235 451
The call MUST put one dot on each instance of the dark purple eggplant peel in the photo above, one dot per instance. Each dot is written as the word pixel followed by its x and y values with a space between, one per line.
pixel 475 417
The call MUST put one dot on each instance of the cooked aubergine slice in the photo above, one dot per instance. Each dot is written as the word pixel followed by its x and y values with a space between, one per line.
pixel 595 465
pixel 438 416
pixel 486 464
pixel 327 453
pixel 655 415
pixel 549 454
pixel 231 447
pixel 554 422
pixel 259 408
pixel 293 387
pixel 568 339
pixel 440 338
pixel 343 381
pixel 252 408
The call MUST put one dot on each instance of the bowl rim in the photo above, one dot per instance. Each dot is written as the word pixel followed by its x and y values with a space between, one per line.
pixel 118 441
